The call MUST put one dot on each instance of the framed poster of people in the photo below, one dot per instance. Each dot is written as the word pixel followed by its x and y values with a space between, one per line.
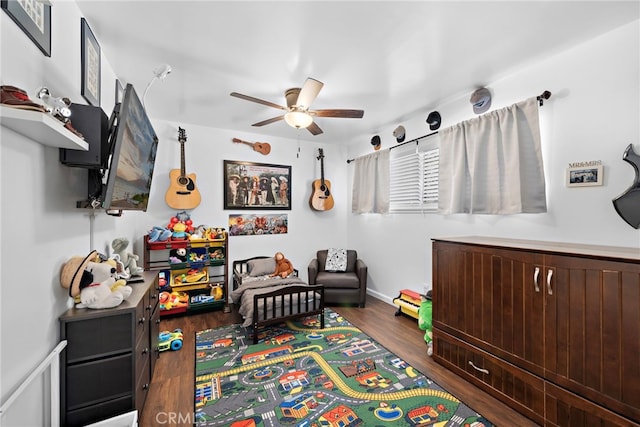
pixel 256 186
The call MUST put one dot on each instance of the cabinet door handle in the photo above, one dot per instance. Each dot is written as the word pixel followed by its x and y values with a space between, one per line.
pixel 484 371
pixel 549 275
pixel 536 274
pixel 145 351
pixel 141 320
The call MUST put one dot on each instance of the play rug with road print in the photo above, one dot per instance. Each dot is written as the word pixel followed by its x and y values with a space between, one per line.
pixel 300 375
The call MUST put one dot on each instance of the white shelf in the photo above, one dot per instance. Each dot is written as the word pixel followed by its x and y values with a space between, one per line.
pixel 41 127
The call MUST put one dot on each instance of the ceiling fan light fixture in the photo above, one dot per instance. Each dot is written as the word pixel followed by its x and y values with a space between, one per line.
pixel 298 119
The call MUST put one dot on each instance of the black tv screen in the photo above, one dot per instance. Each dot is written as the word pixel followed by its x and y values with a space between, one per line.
pixel 134 146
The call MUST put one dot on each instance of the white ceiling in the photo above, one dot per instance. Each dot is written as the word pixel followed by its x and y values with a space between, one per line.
pixel 388 58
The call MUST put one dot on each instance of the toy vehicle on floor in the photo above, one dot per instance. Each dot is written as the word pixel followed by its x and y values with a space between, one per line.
pixel 170 340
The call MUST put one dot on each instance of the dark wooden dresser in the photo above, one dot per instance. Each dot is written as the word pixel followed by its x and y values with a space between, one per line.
pixel 551 329
pixel 108 363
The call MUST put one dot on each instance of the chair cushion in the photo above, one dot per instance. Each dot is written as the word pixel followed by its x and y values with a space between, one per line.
pixel 338 280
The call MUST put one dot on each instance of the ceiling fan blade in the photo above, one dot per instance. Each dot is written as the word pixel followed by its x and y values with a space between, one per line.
pixel 268 121
pixel 314 129
pixel 308 93
pixel 348 114
pixel 257 100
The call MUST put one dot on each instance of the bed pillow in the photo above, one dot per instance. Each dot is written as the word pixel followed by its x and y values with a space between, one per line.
pixel 260 267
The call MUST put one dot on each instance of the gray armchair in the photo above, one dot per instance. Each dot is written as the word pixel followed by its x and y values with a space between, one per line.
pixel 347 287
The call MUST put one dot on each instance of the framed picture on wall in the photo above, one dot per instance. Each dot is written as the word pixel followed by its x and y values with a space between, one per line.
pixel 585 176
pixel 90 63
pixel 256 186
pixel 34 18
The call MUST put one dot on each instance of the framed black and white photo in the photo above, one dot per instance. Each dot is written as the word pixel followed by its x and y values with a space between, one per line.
pixel 585 175
pixel 256 186
pixel 90 62
pixel 34 18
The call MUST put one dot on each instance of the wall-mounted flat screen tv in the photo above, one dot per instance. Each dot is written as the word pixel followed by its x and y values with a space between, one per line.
pixel 134 145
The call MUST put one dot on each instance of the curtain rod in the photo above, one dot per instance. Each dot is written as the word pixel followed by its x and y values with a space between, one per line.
pixel 540 98
pixel 405 143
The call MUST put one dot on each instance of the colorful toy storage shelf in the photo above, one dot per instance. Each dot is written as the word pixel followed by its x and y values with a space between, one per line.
pixel 193 273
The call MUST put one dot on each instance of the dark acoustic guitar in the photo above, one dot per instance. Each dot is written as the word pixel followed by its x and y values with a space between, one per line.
pixel 182 192
pixel 321 199
pixel 261 147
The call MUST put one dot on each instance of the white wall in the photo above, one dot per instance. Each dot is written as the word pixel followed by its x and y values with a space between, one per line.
pixel 593 114
pixel 41 227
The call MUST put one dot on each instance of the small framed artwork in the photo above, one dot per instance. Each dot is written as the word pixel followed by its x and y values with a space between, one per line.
pixel 90 63
pixel 34 18
pixel 256 186
pixel 585 175
pixel 119 91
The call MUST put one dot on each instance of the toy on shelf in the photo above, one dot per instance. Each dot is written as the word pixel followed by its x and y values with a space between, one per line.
pixel 173 300
pixel 159 234
pixel 170 340
pixel 425 321
pixel 191 276
pixel 408 302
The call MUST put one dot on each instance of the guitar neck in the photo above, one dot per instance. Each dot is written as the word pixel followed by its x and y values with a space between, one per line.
pixel 322 170
pixel 183 170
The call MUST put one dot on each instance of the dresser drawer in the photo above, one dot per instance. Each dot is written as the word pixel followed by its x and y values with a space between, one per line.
pixel 100 380
pixel 98 337
pixel 508 383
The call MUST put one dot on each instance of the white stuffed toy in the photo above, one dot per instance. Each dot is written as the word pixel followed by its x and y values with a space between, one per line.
pixel 129 259
pixel 102 290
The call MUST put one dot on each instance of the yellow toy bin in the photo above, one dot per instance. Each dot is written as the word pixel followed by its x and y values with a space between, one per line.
pixel 189 277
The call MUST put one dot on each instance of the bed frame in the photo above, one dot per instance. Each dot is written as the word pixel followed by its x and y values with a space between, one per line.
pixel 293 302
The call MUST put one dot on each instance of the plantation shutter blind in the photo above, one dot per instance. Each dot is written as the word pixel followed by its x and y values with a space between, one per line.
pixel 413 181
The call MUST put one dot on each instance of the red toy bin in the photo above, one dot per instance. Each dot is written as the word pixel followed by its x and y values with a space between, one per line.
pixel 168 244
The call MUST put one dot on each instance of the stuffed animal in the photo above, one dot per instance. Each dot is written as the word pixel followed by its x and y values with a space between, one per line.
pixel 93 282
pixel 425 321
pixel 130 260
pixel 283 266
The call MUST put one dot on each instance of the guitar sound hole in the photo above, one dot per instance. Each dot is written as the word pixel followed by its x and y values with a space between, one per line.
pixel 183 180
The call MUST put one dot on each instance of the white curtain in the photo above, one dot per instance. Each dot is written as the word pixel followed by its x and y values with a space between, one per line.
pixel 371 183
pixel 492 164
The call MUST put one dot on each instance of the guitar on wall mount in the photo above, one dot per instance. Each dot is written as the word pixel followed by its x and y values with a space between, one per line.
pixel 261 147
pixel 321 199
pixel 182 192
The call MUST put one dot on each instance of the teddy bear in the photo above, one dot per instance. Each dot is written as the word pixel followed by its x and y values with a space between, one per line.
pixel 283 266
pixel 130 260
pixel 93 282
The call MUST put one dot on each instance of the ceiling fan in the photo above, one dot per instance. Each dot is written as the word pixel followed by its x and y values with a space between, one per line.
pixel 298 114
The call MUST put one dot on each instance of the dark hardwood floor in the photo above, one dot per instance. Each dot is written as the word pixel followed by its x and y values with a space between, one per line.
pixel 171 396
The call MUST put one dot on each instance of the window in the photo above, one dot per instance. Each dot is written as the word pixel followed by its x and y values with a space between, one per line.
pixel 413 186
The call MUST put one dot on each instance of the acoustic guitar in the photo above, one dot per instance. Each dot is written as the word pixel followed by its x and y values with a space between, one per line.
pixel 182 192
pixel 321 199
pixel 261 147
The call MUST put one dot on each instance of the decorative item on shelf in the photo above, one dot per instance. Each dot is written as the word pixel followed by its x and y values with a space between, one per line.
pixel 34 18
pixel 434 120
pixel 91 65
pixel 399 133
pixel 129 259
pixel 181 226
pixel 14 97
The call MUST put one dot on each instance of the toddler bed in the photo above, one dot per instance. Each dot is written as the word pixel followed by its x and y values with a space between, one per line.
pixel 263 300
